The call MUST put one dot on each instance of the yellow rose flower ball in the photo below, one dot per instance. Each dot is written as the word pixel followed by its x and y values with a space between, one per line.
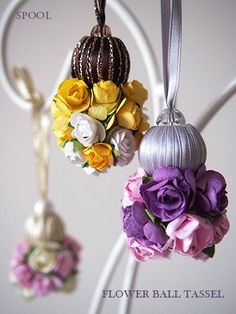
pixel 99 156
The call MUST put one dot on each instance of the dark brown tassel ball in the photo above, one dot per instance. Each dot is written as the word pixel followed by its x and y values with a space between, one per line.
pixel 100 56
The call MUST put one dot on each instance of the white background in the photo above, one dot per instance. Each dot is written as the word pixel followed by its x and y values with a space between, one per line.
pixel 91 206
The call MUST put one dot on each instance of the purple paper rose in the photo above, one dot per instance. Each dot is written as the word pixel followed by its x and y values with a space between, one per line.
pixel 137 224
pixel 171 192
pixel 134 218
pixel 211 195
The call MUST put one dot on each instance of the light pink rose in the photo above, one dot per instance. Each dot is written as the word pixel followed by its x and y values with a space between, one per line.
pixel 72 245
pixel 190 234
pixel 43 285
pixel 21 249
pixel 23 274
pixel 143 252
pixel 221 227
pixel 65 264
pixel 132 188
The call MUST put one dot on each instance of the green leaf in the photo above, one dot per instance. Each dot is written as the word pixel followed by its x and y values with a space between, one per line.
pixel 150 215
pixel 116 153
pixel 209 251
pixel 146 179
pixel 85 164
pixel 76 146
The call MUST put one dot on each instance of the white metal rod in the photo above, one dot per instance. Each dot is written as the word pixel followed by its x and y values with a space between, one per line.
pixel 106 276
pixel 5 22
pixel 216 105
pixel 128 284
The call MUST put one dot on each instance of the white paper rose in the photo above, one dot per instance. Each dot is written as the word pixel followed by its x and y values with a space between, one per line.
pixel 124 143
pixel 42 260
pixel 87 130
pixel 75 158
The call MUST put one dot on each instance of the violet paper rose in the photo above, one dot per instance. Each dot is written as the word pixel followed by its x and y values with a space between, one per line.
pixel 190 234
pixel 171 192
pixel 137 224
pixel 211 195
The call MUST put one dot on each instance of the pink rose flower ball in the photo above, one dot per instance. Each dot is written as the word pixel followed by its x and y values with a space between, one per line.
pixel 33 277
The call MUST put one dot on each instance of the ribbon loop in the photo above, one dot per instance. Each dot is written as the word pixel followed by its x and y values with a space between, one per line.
pixel 41 126
pixel 99 7
pixel 171 22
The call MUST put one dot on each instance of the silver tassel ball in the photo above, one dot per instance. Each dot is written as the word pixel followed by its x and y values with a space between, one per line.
pixel 172 143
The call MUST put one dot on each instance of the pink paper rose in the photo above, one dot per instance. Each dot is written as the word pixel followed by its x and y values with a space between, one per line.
pixel 190 234
pixel 201 257
pixel 143 252
pixel 132 188
pixel 65 264
pixel 43 285
pixel 72 245
pixel 221 227
pixel 21 249
pixel 23 274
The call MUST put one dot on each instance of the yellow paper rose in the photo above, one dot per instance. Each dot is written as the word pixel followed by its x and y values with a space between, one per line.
pixel 99 156
pixel 59 108
pixel 129 116
pixel 43 260
pixel 105 98
pixel 61 128
pixel 75 94
pixel 135 92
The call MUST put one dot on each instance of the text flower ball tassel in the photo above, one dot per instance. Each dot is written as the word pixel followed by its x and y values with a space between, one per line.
pixel 47 259
pixel 98 117
pixel 173 203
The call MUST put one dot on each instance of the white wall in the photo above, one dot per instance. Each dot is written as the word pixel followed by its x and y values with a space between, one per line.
pixel 90 205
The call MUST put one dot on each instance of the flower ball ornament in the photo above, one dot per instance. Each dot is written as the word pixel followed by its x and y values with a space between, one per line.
pixel 174 210
pixel 98 115
pixel 47 260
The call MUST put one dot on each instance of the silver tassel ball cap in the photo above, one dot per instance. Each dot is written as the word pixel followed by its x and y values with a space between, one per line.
pixel 172 143
pixel 44 225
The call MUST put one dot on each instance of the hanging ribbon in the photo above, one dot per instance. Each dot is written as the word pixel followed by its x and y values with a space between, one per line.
pixel 41 126
pixel 99 7
pixel 171 22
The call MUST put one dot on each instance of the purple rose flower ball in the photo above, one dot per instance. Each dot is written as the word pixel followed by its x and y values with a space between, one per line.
pixel 137 224
pixel 211 195
pixel 171 192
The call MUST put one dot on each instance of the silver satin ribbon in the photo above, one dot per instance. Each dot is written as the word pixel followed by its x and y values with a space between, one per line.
pixel 171 22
